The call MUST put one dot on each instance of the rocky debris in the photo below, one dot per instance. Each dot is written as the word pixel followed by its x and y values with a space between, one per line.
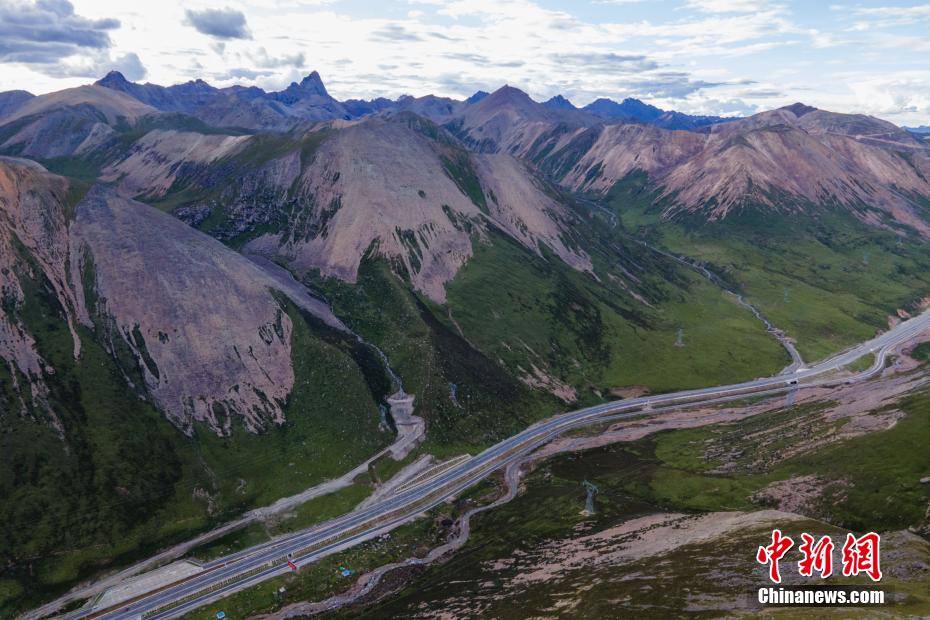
pixel 151 166
pixel 783 159
pixel 796 494
pixel 540 379
pixel 33 244
pixel 193 215
pixel 391 188
pixel 521 208
pixel 210 339
pixel 228 352
pixel 630 391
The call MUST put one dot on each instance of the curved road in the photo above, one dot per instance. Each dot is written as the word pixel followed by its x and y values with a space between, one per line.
pixel 240 570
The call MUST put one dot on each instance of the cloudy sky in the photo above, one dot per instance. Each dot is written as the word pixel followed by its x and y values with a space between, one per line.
pixel 698 56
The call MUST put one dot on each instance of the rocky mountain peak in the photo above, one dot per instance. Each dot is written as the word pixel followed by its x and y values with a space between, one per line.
pixel 478 96
pixel 799 109
pixel 559 103
pixel 310 85
pixel 508 93
pixel 115 80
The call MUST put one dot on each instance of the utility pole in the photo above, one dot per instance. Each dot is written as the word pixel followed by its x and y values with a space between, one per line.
pixel 591 488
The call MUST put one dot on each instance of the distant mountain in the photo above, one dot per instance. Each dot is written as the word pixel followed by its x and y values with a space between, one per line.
pixel 362 107
pixel 477 96
pixel 629 109
pixel 435 108
pixel 921 129
pixel 509 120
pixel 12 99
pixel 799 153
pixel 559 103
pixel 308 100
pixel 634 110
pixel 250 108
pixel 787 158
pixel 68 122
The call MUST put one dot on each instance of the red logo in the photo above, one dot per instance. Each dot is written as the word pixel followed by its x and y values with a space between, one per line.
pixel 773 553
pixel 860 555
pixel 817 557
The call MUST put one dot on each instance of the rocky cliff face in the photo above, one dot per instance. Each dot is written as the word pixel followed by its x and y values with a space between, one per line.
pixel 398 187
pixel 204 325
pixel 152 164
pixel 33 244
pixel 386 186
pixel 784 159
pixel 211 341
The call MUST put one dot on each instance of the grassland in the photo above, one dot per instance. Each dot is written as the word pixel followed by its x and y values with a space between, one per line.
pixel 123 482
pixel 868 482
pixel 871 481
pixel 467 398
pixel 922 352
pixel 826 278
pixel 309 513
pixel 863 363
pixel 528 311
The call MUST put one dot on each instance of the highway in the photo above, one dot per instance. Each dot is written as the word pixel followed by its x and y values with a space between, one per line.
pixel 237 571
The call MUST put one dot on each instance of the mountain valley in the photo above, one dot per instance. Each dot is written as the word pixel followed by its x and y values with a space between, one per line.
pixel 498 258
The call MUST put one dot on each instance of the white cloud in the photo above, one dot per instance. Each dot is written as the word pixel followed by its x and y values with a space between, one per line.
pixel 727 6
pixel 691 55
pixel 904 94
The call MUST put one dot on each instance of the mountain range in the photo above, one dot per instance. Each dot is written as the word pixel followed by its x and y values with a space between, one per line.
pixel 255 109
pixel 195 278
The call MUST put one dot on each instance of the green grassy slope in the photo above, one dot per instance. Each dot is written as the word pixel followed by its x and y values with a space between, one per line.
pixel 526 311
pixel 467 399
pixel 870 482
pixel 122 481
pixel 823 276
pixel 510 310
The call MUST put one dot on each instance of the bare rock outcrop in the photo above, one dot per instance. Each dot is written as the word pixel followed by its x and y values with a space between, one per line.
pixel 384 186
pixel 206 325
pixel 212 342
pixel 152 164
pixel 782 159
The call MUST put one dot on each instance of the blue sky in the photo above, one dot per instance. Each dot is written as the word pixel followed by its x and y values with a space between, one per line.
pixel 698 56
